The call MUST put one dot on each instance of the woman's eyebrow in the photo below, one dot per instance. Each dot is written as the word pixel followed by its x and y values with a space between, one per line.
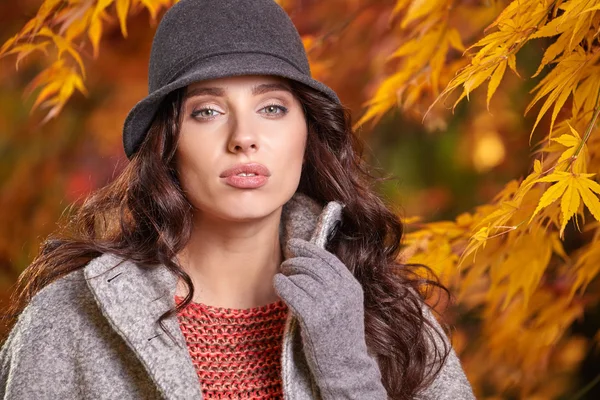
pixel 205 91
pixel 269 87
pixel 220 92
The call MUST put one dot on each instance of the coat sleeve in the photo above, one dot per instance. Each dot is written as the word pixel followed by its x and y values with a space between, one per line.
pixel 451 382
pixel 35 363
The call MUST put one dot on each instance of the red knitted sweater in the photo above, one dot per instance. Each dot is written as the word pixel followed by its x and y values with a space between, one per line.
pixel 236 352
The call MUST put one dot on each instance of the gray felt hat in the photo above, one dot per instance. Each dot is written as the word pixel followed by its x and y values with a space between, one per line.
pixel 206 39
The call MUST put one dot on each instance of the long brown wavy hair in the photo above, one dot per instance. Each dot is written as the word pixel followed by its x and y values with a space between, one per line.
pixel 144 216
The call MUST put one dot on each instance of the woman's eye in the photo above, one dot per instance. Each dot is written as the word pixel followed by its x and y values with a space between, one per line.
pixel 206 113
pixel 275 109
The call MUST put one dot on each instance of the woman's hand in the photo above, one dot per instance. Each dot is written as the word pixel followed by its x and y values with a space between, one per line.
pixel 328 302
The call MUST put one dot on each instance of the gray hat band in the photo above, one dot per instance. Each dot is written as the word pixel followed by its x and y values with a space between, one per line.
pixel 184 65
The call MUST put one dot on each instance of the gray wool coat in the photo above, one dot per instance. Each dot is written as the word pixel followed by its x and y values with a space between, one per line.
pixel 93 335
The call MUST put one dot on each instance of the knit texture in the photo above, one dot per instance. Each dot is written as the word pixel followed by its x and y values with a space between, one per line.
pixel 236 352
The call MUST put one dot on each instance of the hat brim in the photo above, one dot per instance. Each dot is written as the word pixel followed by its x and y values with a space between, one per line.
pixel 140 117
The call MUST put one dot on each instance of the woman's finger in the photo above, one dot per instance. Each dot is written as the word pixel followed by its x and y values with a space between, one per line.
pixel 302 248
pixel 307 266
pixel 297 298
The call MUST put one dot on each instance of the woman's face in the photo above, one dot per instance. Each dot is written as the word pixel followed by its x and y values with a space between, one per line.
pixel 242 122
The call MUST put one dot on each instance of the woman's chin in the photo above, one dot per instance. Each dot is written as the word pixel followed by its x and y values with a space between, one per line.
pixel 246 211
pixel 244 207
pixel 246 216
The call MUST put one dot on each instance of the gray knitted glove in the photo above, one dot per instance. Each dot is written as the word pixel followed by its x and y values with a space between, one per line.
pixel 328 302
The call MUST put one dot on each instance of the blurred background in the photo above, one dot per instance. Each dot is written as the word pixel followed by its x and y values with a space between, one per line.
pixel 440 167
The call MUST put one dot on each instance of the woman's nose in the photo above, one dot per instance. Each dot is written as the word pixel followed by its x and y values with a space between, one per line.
pixel 243 136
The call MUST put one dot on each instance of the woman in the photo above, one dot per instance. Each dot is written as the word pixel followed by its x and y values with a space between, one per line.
pixel 241 253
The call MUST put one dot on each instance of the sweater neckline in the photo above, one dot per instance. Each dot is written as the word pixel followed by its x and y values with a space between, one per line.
pixel 264 309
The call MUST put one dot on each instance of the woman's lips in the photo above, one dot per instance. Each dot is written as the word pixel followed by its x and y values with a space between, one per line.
pixel 246 182
pixel 260 175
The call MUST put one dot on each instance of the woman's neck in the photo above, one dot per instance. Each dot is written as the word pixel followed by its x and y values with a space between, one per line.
pixel 232 263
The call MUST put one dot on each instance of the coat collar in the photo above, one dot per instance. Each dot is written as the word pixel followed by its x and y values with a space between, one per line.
pixel 133 297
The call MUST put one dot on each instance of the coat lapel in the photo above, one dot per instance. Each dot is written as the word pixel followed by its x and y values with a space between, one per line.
pixel 132 298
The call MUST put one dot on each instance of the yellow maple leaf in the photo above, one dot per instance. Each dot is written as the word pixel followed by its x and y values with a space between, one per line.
pixel 44 11
pixel 511 275
pixel 560 83
pixel 385 98
pixel 478 240
pixel 586 268
pixel 94 33
pixel 63 46
pixel 76 22
pixel 573 24
pixel 584 97
pixel 57 83
pixel 572 142
pixel 400 6
pixel 154 6
pixel 122 10
pixel 495 81
pixel 572 189
pixel 25 49
pixel 418 9
pixel 95 28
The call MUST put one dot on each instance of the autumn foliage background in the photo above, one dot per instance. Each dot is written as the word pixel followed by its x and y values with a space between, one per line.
pixel 485 112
